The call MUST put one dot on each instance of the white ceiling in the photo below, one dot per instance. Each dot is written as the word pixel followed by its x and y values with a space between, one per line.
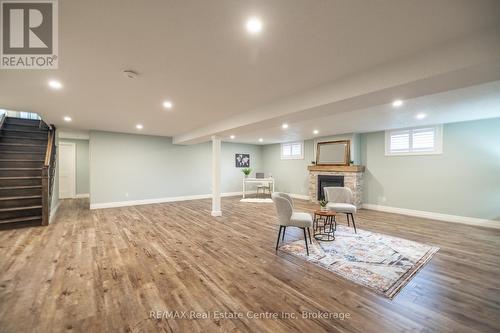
pixel 198 54
pixel 472 103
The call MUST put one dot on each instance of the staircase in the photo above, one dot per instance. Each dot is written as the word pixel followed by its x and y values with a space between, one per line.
pixel 27 164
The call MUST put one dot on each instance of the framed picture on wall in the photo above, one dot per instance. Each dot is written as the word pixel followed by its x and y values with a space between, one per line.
pixel 242 160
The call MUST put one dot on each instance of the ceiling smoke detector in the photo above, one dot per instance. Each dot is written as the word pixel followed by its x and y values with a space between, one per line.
pixel 130 74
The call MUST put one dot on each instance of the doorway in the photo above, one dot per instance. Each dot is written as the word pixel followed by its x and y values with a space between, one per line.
pixel 67 170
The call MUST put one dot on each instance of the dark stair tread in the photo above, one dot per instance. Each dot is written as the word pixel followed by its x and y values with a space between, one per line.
pixel 24 138
pixel 21 197
pixel 23 152
pixel 20 160
pixel 35 130
pixel 21 219
pixel 21 177
pixel 20 187
pixel 19 208
pixel 17 129
pixel 19 169
pixel 20 144
pixel 22 120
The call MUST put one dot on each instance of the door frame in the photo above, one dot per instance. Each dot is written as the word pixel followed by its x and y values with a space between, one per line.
pixel 73 172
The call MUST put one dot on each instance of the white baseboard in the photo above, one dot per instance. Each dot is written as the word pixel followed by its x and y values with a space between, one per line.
pixel 436 216
pixel 158 200
pixel 229 194
pixel 82 195
pixel 53 212
pixel 216 213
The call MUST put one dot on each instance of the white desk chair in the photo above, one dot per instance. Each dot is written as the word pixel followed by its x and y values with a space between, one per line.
pixel 262 187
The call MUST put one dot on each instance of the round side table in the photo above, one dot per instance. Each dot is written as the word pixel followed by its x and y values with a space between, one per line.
pixel 324 225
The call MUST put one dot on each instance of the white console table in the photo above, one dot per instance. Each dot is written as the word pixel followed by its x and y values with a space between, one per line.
pixel 269 181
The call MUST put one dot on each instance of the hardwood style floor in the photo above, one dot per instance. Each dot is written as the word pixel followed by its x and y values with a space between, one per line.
pixel 106 270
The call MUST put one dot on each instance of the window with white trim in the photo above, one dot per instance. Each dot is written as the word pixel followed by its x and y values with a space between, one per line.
pixel 414 141
pixel 29 115
pixel 292 151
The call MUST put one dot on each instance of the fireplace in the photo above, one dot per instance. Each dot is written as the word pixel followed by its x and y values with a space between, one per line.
pixel 328 181
pixel 350 176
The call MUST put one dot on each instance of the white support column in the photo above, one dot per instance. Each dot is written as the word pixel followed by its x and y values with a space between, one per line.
pixel 216 173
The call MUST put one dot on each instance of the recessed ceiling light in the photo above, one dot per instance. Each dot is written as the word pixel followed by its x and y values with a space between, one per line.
pixel 232 137
pixel 397 103
pixel 139 126
pixel 254 25
pixel 168 105
pixel 284 126
pixel 260 140
pixel 315 132
pixel 55 84
pixel 421 116
pixel 67 119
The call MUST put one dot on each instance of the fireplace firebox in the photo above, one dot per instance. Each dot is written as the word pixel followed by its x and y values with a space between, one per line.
pixel 328 181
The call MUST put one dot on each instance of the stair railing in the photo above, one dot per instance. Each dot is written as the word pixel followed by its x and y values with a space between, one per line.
pixel 2 119
pixel 48 175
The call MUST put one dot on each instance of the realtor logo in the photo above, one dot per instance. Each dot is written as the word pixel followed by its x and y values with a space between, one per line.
pixel 28 34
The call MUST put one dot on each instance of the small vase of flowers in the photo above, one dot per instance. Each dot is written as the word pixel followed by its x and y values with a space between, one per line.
pixel 246 171
pixel 323 203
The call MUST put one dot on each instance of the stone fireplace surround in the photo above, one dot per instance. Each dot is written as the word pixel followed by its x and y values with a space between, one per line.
pixel 353 178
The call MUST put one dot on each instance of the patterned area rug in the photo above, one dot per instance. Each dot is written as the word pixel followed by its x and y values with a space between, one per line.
pixel 380 262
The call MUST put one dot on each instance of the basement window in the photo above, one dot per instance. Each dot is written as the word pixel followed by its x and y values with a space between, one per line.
pixel 292 151
pixel 414 141
pixel 29 115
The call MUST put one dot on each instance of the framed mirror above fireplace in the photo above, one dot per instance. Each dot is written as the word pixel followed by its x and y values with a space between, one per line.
pixel 333 152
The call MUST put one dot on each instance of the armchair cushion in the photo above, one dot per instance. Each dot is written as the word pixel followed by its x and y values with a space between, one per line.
pixel 341 207
pixel 301 220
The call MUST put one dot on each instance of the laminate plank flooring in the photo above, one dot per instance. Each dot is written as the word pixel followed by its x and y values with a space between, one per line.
pixel 106 270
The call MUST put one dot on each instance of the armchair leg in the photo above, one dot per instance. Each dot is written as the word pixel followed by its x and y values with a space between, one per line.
pixel 354 224
pixel 347 216
pixel 283 237
pixel 305 239
pixel 278 241
pixel 309 232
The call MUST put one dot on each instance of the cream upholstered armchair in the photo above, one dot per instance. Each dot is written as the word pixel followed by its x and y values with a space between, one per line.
pixel 340 200
pixel 288 218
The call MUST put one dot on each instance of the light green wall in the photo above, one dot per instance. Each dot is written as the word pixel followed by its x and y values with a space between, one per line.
pixel 464 180
pixel 230 175
pixel 138 167
pixel 82 165
pixel 291 176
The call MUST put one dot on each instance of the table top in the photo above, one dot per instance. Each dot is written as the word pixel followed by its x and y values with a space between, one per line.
pixel 270 179
pixel 325 213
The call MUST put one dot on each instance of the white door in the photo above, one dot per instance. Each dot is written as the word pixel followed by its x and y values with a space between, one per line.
pixel 67 168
